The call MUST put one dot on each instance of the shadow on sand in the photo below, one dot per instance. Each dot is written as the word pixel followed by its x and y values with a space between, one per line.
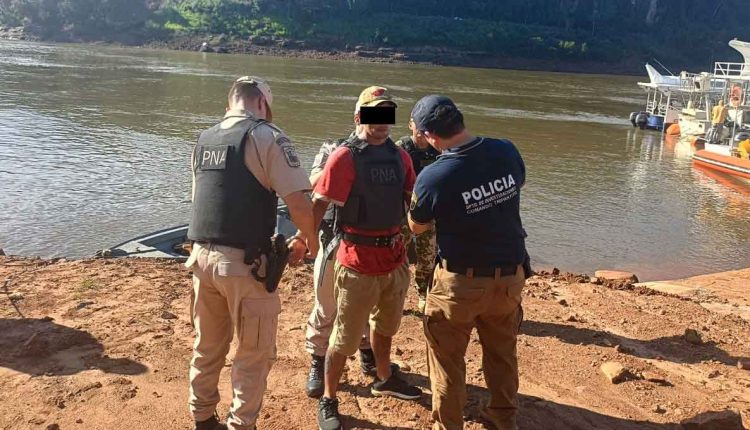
pixel 672 348
pixel 39 347
pixel 540 414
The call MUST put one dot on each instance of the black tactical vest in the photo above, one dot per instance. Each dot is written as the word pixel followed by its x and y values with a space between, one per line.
pixel 230 206
pixel 420 158
pixel 376 200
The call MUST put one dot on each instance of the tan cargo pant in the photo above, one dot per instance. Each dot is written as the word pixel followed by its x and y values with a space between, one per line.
pixel 227 299
pixel 455 305
pixel 360 298
pixel 320 322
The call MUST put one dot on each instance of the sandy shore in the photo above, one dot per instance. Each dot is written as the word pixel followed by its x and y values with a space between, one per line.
pixel 105 344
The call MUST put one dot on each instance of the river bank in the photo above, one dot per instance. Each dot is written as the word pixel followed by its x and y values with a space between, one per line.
pixel 104 343
pixel 286 48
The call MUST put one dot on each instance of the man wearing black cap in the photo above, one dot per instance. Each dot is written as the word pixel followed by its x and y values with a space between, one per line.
pixel 421 249
pixel 472 195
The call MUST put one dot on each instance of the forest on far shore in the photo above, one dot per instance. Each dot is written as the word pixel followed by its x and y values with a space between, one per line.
pixel 680 33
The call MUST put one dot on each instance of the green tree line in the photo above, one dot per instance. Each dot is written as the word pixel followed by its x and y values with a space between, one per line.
pixel 677 31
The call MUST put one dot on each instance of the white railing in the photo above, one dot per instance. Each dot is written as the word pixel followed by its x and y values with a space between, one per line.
pixel 731 69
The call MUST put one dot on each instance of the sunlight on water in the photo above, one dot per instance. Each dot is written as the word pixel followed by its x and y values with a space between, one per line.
pixel 95 144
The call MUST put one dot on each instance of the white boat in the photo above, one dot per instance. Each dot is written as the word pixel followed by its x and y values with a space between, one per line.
pixel 660 108
pixel 730 82
pixel 688 99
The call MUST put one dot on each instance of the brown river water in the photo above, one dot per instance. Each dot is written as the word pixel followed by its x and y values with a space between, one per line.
pixel 95 145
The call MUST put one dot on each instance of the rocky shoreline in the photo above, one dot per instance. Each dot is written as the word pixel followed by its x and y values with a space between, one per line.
pixel 384 54
pixel 83 338
pixel 280 47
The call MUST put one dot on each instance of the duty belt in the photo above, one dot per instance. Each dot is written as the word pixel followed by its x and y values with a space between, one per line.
pixel 377 241
pixel 220 242
pixel 479 272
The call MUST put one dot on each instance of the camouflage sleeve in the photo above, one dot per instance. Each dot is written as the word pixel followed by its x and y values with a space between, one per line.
pixel 320 160
pixel 403 143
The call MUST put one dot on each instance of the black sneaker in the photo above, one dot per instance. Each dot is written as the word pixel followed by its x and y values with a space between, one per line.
pixel 395 387
pixel 328 414
pixel 315 385
pixel 210 424
pixel 367 363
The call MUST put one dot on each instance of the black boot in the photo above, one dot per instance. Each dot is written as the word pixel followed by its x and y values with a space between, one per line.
pixel 367 363
pixel 315 385
pixel 210 424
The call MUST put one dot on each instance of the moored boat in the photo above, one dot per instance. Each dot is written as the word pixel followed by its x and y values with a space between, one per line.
pixel 660 110
pixel 722 158
pixel 173 242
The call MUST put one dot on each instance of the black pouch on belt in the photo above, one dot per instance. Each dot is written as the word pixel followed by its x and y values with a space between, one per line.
pixel 276 263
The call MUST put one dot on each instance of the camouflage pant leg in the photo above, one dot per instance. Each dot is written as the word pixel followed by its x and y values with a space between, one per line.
pixel 426 252
pixel 411 252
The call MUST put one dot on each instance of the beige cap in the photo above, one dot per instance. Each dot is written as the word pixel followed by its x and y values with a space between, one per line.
pixel 261 84
pixel 373 96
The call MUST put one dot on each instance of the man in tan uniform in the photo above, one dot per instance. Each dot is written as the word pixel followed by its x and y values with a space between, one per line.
pixel 239 167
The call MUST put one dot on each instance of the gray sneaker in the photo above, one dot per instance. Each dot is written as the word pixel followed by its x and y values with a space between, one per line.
pixel 328 414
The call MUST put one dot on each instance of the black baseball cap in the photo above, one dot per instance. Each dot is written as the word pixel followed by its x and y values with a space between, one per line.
pixel 431 111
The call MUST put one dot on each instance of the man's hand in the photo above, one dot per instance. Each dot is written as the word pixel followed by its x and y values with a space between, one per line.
pixel 313 247
pixel 300 209
pixel 297 251
pixel 418 228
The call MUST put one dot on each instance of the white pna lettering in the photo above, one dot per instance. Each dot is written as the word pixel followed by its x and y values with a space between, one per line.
pixel 215 157
pixel 490 188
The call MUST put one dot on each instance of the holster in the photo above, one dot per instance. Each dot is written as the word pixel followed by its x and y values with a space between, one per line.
pixel 276 261
pixel 527 272
pixel 327 233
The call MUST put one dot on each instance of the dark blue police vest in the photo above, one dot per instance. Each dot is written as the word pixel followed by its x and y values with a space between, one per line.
pixel 477 215
pixel 230 206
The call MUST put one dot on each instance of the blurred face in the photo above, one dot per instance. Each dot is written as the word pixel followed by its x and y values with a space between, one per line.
pixel 375 132
pixel 417 136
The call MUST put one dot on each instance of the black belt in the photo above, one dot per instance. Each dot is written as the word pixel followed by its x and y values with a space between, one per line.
pixel 377 241
pixel 479 272
pixel 207 243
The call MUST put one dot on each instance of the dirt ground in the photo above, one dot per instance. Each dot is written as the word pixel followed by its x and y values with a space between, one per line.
pixel 105 344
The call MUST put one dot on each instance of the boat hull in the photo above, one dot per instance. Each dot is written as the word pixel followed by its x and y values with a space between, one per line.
pixel 723 163
pixel 170 243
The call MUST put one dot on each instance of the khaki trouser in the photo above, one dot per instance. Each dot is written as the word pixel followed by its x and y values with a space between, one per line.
pixel 227 299
pixel 320 323
pixel 455 305
pixel 359 298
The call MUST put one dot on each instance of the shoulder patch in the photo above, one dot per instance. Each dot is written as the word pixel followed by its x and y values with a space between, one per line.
pixel 290 154
pixel 282 140
pixel 414 202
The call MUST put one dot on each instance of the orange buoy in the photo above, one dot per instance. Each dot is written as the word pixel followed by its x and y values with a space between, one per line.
pixel 673 130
